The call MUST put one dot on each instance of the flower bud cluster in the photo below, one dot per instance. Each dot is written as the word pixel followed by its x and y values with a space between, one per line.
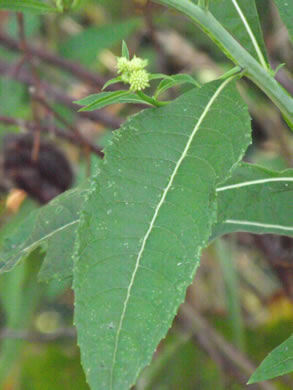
pixel 133 72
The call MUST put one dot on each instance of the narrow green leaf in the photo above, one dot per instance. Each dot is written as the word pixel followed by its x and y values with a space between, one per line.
pixel 32 6
pixel 256 200
pixel 125 51
pixel 176 79
pixel 147 217
pixel 86 101
pixel 285 8
pixel 103 99
pixel 112 81
pixel 288 121
pixel 278 362
pixel 156 76
pixel 227 14
pixel 53 227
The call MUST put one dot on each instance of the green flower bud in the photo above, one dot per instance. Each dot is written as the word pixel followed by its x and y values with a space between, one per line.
pixel 122 65
pixel 137 64
pixel 133 72
pixel 125 77
pixel 139 80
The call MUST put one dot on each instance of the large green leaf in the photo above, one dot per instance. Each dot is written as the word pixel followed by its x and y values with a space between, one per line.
pixel 226 12
pixel 256 200
pixel 285 8
pixel 32 6
pixel 148 215
pixel 85 46
pixel 278 362
pixel 53 227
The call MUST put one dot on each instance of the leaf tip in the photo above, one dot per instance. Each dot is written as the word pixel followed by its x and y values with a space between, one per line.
pixel 125 51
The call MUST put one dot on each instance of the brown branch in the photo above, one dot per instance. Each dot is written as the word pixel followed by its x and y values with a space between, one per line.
pixel 38 337
pixel 76 70
pixel 38 99
pixel 31 126
pixel 36 83
pixel 79 137
pixel 24 77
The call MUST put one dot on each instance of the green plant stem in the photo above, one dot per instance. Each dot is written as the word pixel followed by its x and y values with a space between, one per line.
pixel 151 100
pixel 234 51
pixel 231 72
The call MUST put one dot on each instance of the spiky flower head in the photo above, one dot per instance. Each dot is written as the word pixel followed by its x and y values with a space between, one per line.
pixel 125 77
pixel 132 72
pixel 139 80
pixel 137 64
pixel 122 65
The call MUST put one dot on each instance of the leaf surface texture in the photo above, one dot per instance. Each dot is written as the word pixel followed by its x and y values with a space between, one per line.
pixel 148 214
